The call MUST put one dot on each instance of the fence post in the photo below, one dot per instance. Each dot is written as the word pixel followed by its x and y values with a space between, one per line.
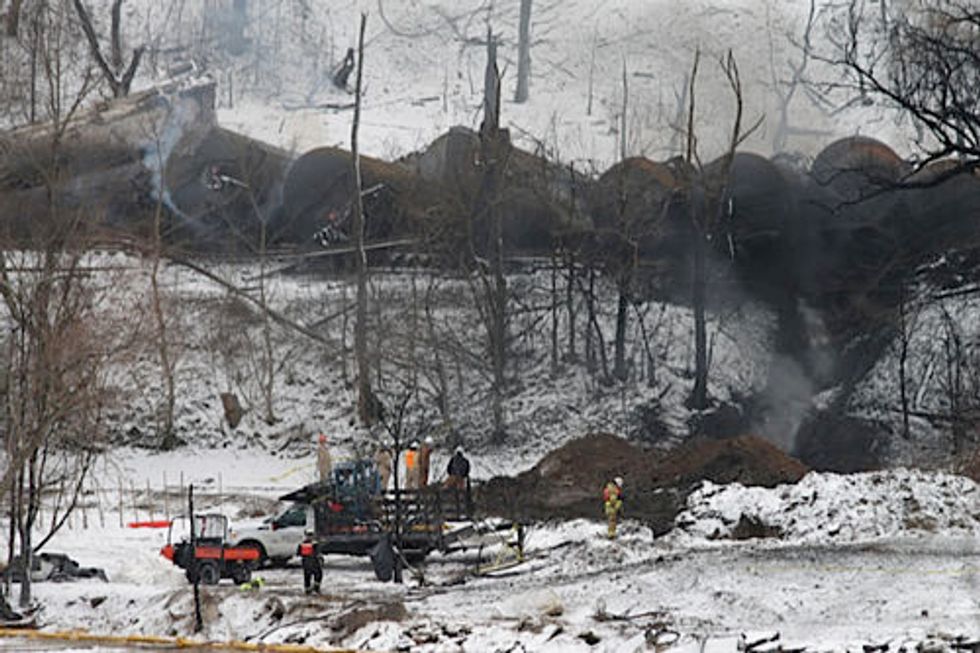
pixel 120 502
pixel 99 497
pixel 132 494
pixel 149 501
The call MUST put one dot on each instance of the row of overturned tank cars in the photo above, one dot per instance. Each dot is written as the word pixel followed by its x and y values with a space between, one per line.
pixel 841 236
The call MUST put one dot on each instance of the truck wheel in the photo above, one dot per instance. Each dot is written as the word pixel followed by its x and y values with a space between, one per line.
pixel 208 572
pixel 241 573
pixel 253 544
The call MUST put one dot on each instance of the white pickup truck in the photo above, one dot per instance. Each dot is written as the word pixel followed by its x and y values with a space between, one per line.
pixel 275 537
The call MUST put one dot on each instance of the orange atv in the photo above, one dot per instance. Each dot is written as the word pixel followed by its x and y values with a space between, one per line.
pixel 210 558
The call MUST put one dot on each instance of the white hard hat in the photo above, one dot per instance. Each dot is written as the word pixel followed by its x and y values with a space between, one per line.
pixel 618 480
pixel 428 440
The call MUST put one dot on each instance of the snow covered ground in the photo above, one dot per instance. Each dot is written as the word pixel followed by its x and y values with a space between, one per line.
pixel 865 559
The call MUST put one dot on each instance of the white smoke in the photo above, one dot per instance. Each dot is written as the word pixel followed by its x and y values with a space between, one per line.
pixel 185 120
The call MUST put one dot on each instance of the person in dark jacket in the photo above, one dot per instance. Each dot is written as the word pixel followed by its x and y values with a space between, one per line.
pixel 458 470
pixel 312 567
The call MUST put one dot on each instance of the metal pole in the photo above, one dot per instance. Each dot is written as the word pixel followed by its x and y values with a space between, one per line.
pixel 198 621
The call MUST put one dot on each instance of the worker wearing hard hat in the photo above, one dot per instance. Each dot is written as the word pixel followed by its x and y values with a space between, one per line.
pixel 612 498
pixel 412 466
pixel 312 565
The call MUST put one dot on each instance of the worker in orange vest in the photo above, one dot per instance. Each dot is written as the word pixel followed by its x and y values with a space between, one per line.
pixel 312 566
pixel 612 499
pixel 412 466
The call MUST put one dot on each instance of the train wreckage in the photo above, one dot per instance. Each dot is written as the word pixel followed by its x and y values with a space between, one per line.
pixel 842 231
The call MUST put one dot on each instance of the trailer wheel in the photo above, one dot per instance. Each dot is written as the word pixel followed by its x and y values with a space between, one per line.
pixel 415 556
pixel 241 573
pixel 208 572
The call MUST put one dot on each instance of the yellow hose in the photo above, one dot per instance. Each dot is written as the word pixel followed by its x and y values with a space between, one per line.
pixel 159 640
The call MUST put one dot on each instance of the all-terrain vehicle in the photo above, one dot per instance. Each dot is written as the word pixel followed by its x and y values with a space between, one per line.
pixel 204 554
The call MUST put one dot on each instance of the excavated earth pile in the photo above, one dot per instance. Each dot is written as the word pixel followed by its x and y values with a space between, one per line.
pixel 567 483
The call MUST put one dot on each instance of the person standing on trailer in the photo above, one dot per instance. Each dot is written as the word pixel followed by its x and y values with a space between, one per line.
pixel 425 458
pixel 458 471
pixel 324 462
pixel 382 462
pixel 412 466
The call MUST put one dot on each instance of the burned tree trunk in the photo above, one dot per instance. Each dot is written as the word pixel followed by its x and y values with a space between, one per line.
pixel 119 80
pixel 523 53
pixel 13 17
pixel 365 404
pixel 491 296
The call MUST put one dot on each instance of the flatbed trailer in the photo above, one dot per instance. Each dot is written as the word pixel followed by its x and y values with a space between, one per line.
pixel 354 516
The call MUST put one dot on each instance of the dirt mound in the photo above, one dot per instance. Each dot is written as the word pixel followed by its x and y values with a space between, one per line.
pixel 968 464
pixel 567 482
pixel 747 459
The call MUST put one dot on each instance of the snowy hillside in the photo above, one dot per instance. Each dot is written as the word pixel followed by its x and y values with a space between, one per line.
pixel 424 70
pixel 312 389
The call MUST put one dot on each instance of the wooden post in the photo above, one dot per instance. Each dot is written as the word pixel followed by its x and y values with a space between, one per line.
pixel 100 497
pixel 119 496
pixel 151 515
pixel 132 495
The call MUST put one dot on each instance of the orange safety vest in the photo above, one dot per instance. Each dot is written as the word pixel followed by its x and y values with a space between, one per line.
pixel 410 459
pixel 306 549
pixel 612 493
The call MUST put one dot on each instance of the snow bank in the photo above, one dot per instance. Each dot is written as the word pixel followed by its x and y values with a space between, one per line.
pixel 834 508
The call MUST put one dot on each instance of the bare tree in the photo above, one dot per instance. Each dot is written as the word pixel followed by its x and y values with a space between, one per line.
pixel 922 60
pixel 365 402
pixel 709 203
pixel 13 17
pixel 491 295
pixel 908 321
pixel 53 387
pixel 786 89
pixel 523 53
pixel 118 76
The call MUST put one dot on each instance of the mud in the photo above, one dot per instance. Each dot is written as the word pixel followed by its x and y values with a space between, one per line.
pixel 567 483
